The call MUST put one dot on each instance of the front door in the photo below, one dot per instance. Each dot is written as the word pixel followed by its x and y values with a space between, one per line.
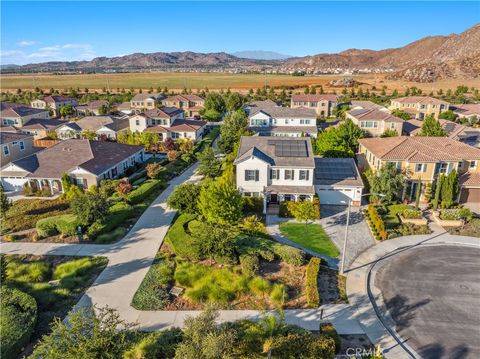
pixel 273 198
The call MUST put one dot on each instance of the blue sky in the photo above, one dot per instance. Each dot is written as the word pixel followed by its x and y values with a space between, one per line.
pixel 47 31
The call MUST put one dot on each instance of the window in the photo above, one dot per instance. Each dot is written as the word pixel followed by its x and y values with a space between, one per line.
pixel 6 150
pixel 22 146
pixel 125 165
pixel 185 135
pixel 393 125
pixel 443 167
pixel 81 182
pixel 275 174
pixel 137 122
pixel 288 197
pixel 473 164
pixel 175 135
pixel 114 172
pixel 304 122
pixel 251 175
pixel 421 167
pixel 289 175
pixel 286 121
pixel 369 124
pixel 304 175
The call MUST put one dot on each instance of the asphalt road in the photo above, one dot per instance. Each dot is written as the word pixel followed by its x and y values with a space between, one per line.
pixel 433 295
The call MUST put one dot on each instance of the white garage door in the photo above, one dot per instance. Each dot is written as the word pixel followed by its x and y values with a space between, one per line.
pixel 13 183
pixel 333 196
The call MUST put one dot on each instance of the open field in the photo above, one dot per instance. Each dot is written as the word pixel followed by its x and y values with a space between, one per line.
pixel 176 81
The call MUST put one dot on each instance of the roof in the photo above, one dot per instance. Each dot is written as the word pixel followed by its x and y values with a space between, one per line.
pixel 123 106
pixel 20 111
pixel 454 130
pixel 144 96
pixel 192 98
pixel 43 124
pixel 291 189
pixel 187 125
pixel 7 137
pixel 283 112
pixel 373 114
pixel 369 105
pixel 285 129
pixel 419 99
pixel 315 97
pixel 420 149
pixel 93 123
pixel 58 98
pixel 469 179
pixel 262 104
pixel 337 171
pixel 163 112
pixel 278 151
pixel 469 109
pixel 93 156
pixel 94 105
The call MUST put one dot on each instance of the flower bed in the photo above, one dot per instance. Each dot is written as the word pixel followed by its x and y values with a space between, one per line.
pixel 448 218
pixel 412 216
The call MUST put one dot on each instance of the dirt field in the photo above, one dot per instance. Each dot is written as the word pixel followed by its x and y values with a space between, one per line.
pixel 176 81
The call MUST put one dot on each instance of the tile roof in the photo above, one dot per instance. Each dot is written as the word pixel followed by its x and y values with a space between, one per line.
pixel 286 112
pixel 469 179
pixel 315 98
pixel 93 156
pixel 420 149
pixel 43 124
pixel 7 137
pixel 285 129
pixel 93 123
pixel 369 105
pixel 454 130
pixel 58 98
pixel 420 99
pixel 144 96
pixel 336 171
pixel 192 98
pixel 373 114
pixel 469 109
pixel 187 125
pixel 268 146
pixel 262 104
pixel 93 105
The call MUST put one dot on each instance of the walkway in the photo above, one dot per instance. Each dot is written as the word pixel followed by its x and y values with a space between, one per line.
pixel 367 300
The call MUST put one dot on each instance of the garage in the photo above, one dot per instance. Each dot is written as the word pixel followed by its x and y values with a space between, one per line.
pixel 470 188
pixel 337 181
pixel 470 195
pixel 12 184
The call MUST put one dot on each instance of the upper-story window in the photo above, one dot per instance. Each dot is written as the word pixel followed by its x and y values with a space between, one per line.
pixel 137 122
pixel 21 145
pixel 251 175
pixel 304 175
pixel 304 122
pixel 6 150
pixel 473 164
pixel 443 168
pixel 286 121
pixel 289 175
pixel 421 167
pixel 369 124
pixel 274 174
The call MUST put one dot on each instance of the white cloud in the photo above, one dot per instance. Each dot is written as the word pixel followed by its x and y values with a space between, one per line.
pixel 26 43
pixel 50 48
pixel 65 52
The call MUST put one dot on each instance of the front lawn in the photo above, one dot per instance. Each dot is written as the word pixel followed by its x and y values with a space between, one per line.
pixel 55 282
pixel 391 218
pixel 313 238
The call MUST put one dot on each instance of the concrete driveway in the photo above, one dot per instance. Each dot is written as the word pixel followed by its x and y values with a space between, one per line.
pixel 432 294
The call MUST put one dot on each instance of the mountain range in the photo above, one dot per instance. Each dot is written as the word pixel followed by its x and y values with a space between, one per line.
pixel 425 60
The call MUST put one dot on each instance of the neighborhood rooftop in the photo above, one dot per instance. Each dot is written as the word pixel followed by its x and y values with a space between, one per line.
pixel 6 137
pixel 336 171
pixel 419 99
pixel 315 97
pixel 373 114
pixel 286 112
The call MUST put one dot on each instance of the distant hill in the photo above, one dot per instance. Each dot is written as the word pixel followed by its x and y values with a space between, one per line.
pixel 261 55
pixel 425 60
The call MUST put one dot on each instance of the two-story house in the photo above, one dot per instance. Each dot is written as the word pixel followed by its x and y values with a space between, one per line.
pixel 283 121
pixel 190 104
pixel 145 101
pixel 168 122
pixel 424 159
pixel 419 106
pixel 323 104
pixel 106 127
pixel 468 110
pixel 15 146
pixel 375 121
pixel 18 115
pixel 54 103
pixel 93 108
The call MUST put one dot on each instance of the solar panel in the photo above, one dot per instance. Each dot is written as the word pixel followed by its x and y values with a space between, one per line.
pixel 449 127
pixel 334 170
pixel 289 148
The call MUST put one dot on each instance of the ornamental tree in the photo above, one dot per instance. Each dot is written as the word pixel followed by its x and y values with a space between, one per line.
pixel 432 128
pixel 221 203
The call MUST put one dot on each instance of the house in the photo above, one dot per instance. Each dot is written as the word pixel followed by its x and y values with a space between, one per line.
pixel 93 108
pixel 368 105
pixel 275 168
pixel 54 103
pixel 323 104
pixel 424 159
pixel 455 131
pixel 419 106
pixel 86 162
pixel 41 128
pixel 337 181
pixel 145 101
pixel 15 146
pixel 168 122
pixel 124 108
pixel 102 126
pixel 283 121
pixel 190 104
pixel 257 105
pixel 12 114
pixel 468 111
pixel 375 121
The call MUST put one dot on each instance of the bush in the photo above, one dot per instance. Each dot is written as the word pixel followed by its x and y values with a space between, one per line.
pixel 185 197
pixel 289 254
pixel 311 282
pixel 376 223
pixel 156 345
pixel 279 294
pixel 286 206
pixel 154 170
pixel 408 229
pixel 412 214
pixel 145 190
pixel 283 210
pixel 112 236
pixel 73 268
pixel 252 205
pixel 65 224
pixel 329 330
pixel 250 264
pixel 456 214
pixel 252 225
pixel 18 315
pixel 29 272
pixel 117 215
pixel 181 242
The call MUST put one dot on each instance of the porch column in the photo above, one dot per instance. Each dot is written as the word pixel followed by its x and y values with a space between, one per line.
pixel 50 184
pixel 264 204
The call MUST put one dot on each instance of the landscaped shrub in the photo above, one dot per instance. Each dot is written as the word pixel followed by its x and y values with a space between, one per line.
pixel 376 223
pixel 252 205
pixel 181 242
pixel 260 286
pixel 18 314
pixel 408 229
pixel 455 214
pixel 329 330
pixel 146 189
pixel 28 272
pixel 253 225
pixel 156 345
pixel 311 282
pixel 65 224
pixel 283 210
pixel 279 294
pixel 112 236
pixel 250 264
pixel 289 255
pixel 117 215
pixel 412 214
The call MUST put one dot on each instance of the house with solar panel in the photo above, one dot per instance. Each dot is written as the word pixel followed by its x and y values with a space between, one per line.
pixel 284 169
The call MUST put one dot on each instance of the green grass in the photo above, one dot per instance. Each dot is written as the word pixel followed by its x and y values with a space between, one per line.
pixel 314 238
pixel 32 274
pixel 391 217
pixel 181 242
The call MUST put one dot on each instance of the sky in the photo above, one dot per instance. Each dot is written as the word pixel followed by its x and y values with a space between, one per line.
pixel 67 30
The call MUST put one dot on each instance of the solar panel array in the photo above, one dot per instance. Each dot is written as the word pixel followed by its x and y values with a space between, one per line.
pixel 449 127
pixel 289 148
pixel 334 170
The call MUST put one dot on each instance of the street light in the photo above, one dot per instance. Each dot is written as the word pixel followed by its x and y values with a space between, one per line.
pixel 342 268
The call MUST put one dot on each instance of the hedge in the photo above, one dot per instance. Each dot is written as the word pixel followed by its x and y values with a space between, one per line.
pixel 18 315
pixel 65 224
pixel 376 223
pixel 329 330
pixel 146 189
pixel 289 254
pixel 311 282
pixel 182 242
pixel 252 205
pixel 118 214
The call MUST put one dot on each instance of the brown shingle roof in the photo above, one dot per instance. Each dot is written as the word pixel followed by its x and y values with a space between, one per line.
pixel 163 112
pixel 57 98
pixel 420 99
pixel 420 149
pixel 282 112
pixel 43 124
pixel 315 98
pixel 7 137
pixel 20 111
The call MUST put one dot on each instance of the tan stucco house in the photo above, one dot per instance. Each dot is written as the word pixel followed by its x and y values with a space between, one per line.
pixel 375 121
pixel 54 102
pixel 323 104
pixel 145 101
pixel 419 106
pixel 190 104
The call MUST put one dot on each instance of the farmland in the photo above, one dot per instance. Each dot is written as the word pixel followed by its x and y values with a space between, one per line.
pixel 215 81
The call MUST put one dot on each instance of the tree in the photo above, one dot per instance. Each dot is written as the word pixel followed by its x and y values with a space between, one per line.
pixel 5 203
pixel 204 339
pixel 390 133
pixel 221 203
pixel 185 145
pixel 387 181
pixel 233 126
pixel 66 111
pixel 272 326
pixel 103 110
pixel 124 188
pixel 304 211
pixel 170 144
pixel 418 193
pixel 215 240
pixel 89 134
pixel 214 106
pixel 234 102
pixel 90 207
pixel 185 197
pixel 209 166
pixel 438 190
pixel 153 170
pixel 449 189
pixel 448 115
pixel 432 128
pixel 341 141
pixel 401 114
pixel 86 335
